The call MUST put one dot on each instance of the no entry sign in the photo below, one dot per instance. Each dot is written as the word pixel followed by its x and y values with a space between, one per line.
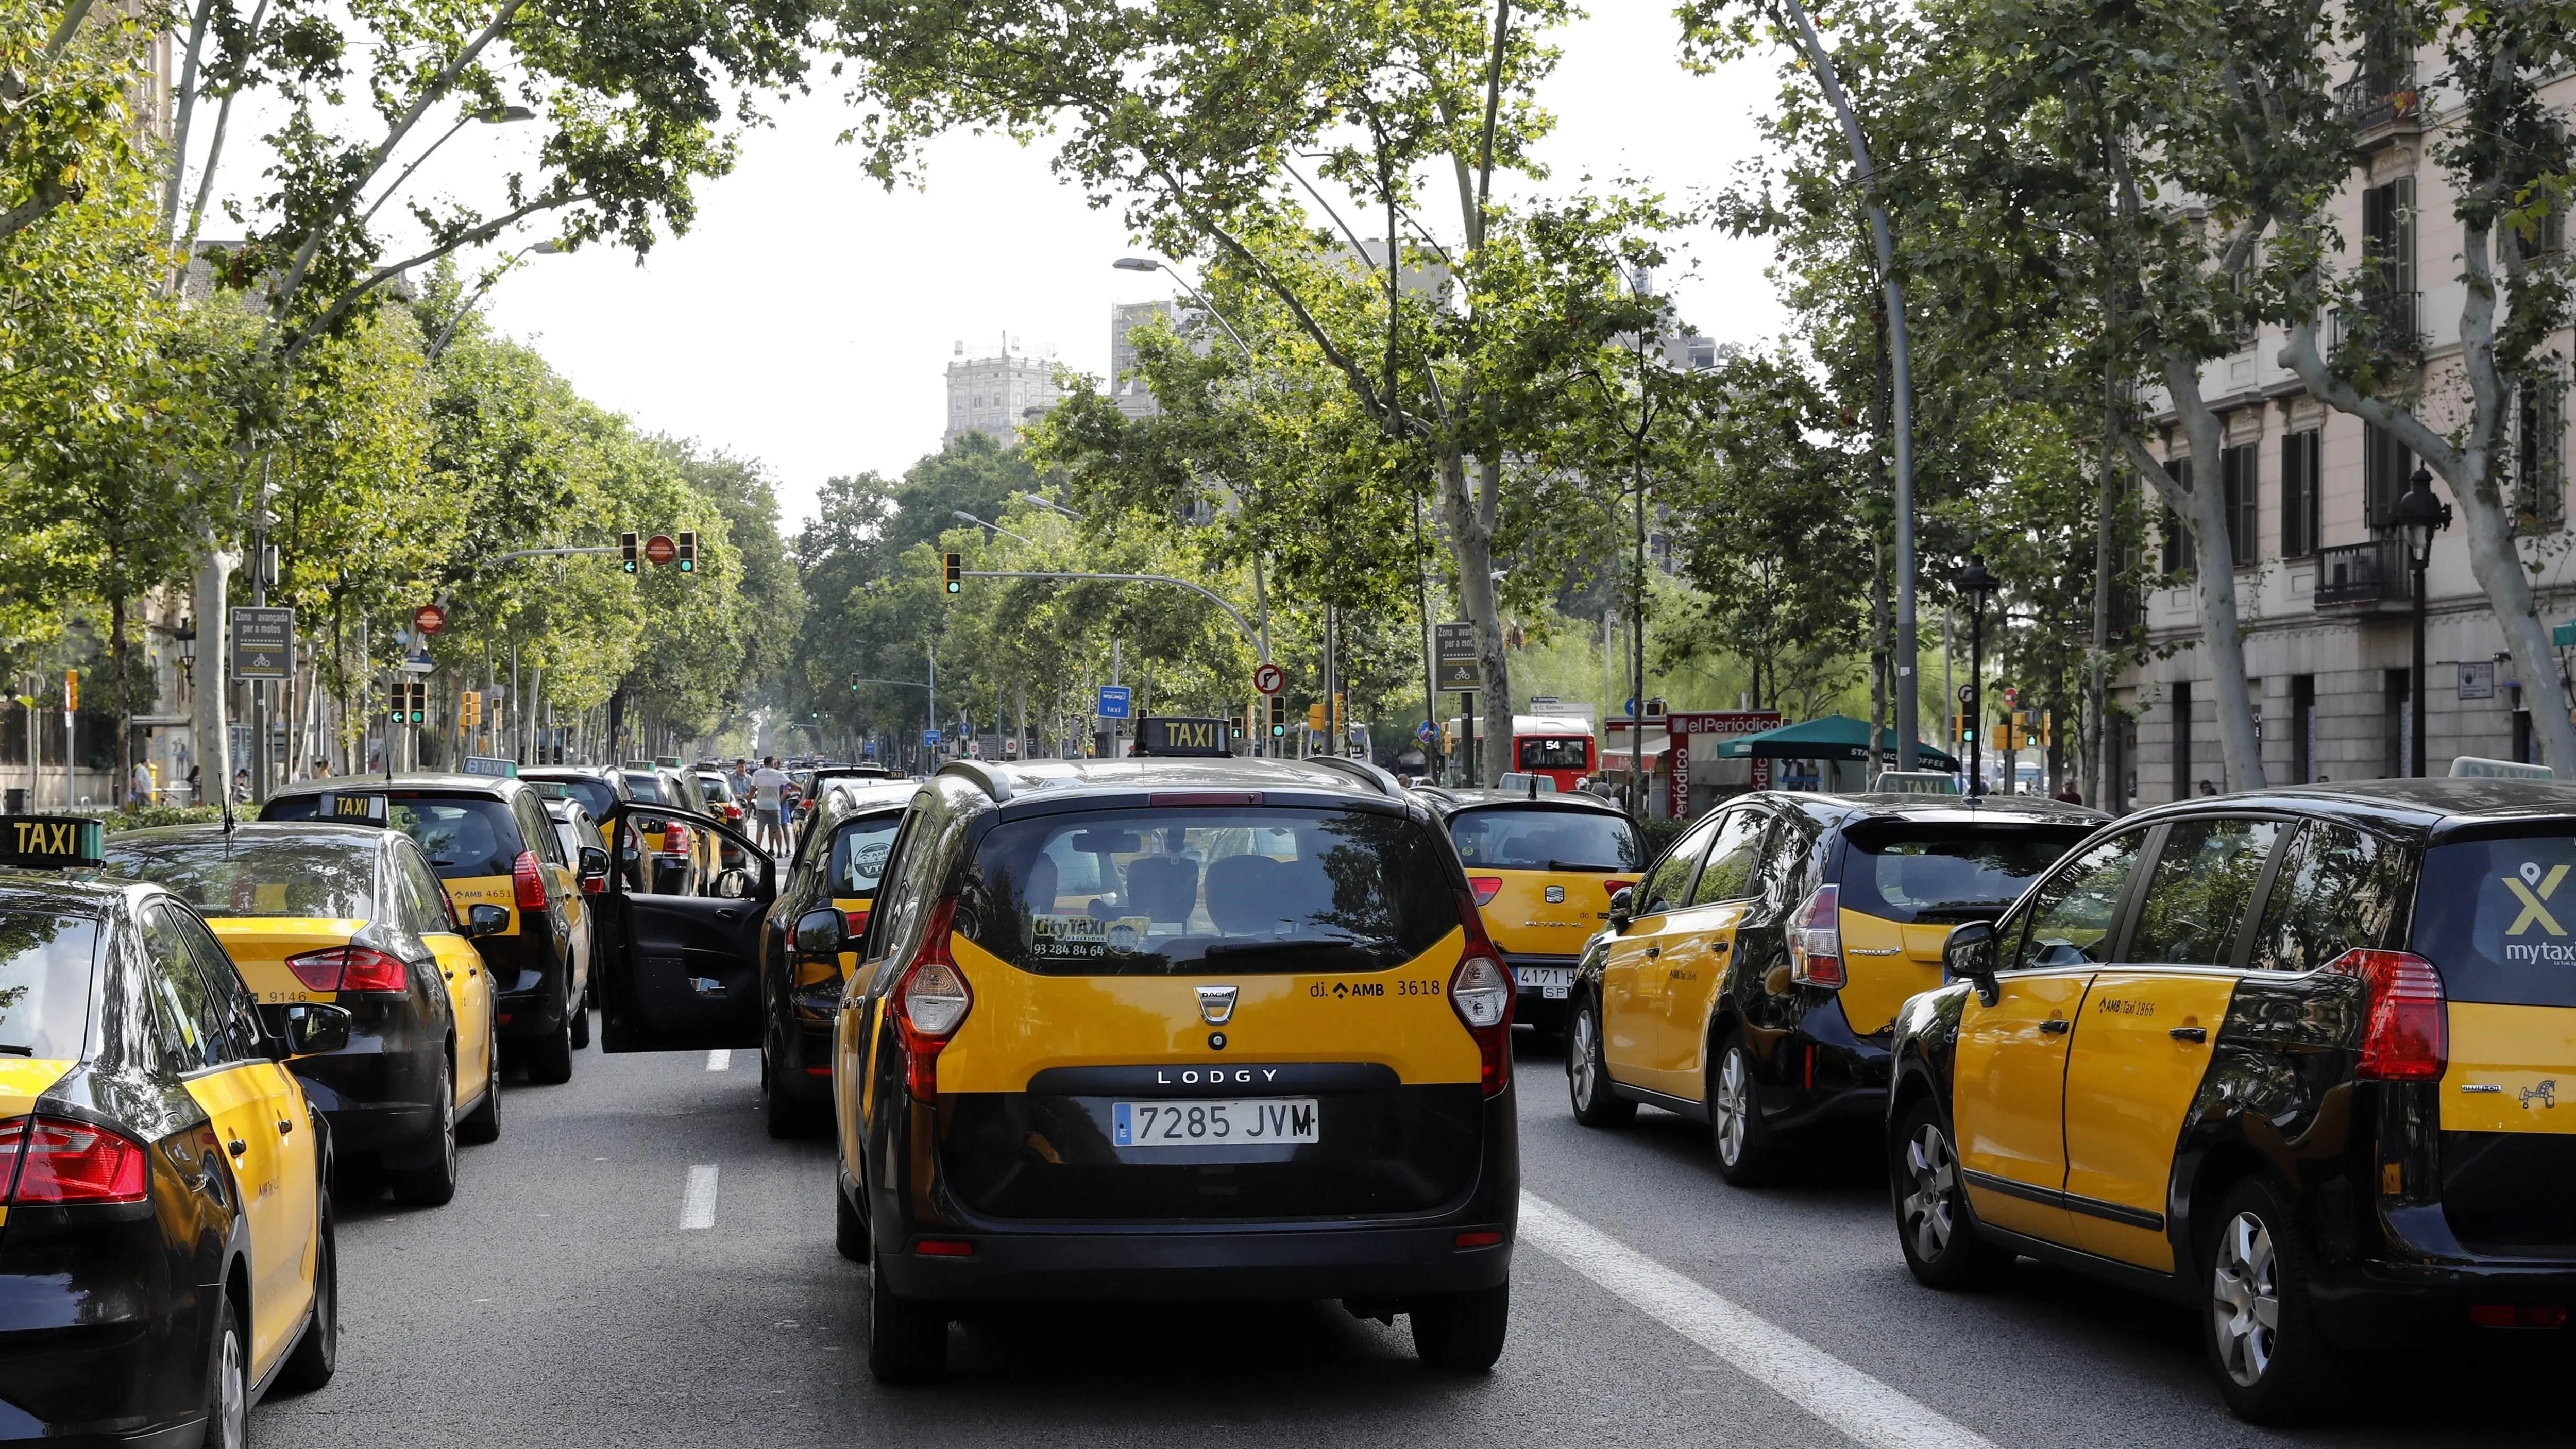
pixel 660 549
pixel 429 618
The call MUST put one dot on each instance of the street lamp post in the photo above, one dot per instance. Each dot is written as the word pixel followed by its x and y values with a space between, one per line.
pixel 490 116
pixel 465 308
pixel 2418 516
pixel 1976 583
pixel 962 516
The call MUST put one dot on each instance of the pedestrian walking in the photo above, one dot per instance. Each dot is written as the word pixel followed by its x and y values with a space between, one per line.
pixel 768 799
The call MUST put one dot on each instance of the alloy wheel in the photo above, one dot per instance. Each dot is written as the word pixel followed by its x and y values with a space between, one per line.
pixel 232 1401
pixel 1928 1208
pixel 1733 1103
pixel 1578 1060
pixel 2245 1299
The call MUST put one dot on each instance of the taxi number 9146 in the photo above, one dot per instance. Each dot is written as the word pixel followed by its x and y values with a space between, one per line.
pixel 1197 1124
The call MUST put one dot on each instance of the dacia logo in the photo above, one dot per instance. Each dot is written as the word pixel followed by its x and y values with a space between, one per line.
pixel 1216 1004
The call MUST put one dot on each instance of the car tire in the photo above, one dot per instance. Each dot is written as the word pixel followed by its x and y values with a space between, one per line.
pixel 2254 1255
pixel 1587 1072
pixel 317 1353
pixel 581 1021
pixel 849 1228
pixel 483 1124
pixel 227 1382
pixel 1745 1148
pixel 907 1338
pixel 549 1057
pixel 435 1184
pixel 1934 1225
pixel 1461 1333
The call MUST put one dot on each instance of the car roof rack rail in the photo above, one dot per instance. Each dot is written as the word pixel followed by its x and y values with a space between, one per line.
pixel 1362 771
pixel 992 781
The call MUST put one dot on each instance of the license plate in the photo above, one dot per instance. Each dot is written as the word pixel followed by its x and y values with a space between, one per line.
pixel 1551 982
pixel 1256 1120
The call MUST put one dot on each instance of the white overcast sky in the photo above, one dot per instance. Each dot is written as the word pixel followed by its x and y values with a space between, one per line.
pixel 807 318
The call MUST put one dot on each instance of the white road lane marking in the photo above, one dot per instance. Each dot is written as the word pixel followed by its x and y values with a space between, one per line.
pixel 720 1060
pixel 1867 1411
pixel 698 1204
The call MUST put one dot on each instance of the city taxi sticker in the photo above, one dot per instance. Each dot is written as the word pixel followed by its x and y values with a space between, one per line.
pixel 1070 937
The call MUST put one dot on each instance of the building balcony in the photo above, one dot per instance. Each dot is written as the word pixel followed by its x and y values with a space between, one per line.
pixel 2380 107
pixel 2364 576
pixel 2389 318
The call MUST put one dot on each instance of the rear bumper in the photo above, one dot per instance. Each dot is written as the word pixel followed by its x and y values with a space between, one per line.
pixel 802 1071
pixel 1243 1265
pixel 1533 1007
pixel 2377 1303
pixel 379 1091
pixel 532 1003
pixel 1817 1074
pixel 100 1357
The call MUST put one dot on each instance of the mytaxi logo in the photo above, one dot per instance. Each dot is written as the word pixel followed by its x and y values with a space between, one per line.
pixel 2533 889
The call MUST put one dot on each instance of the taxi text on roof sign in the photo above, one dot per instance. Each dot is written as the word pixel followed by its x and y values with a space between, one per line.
pixel 364 809
pixel 50 841
pixel 1178 735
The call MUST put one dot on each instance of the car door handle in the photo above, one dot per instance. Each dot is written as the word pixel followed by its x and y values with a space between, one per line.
pixel 284 1127
pixel 2189 1033
pixel 1720 948
pixel 237 1147
pixel 2057 1026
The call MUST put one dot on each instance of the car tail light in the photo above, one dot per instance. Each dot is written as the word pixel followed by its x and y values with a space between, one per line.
pixel 858 920
pixel 2516 1315
pixel 61 1161
pixel 675 837
pixel 930 1004
pixel 528 881
pixel 592 885
pixel 1816 939
pixel 2407 1038
pixel 1613 887
pixel 350 968
pixel 1481 992
pixel 1485 886
pixel 944 1248
pixel 1479 1238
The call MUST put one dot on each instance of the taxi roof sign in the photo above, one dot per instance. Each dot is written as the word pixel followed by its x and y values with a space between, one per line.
pixel 2471 767
pixel 1171 735
pixel 51 842
pixel 351 809
pixel 1914 782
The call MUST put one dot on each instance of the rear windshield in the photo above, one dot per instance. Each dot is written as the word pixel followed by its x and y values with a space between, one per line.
pixel 1508 838
pixel 2498 917
pixel 859 855
pixel 463 835
pixel 646 787
pixel 317 879
pixel 1194 890
pixel 714 787
pixel 1910 871
pixel 1556 752
pixel 595 795
pixel 45 964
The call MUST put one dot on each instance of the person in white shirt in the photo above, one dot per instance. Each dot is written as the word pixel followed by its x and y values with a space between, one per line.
pixel 768 797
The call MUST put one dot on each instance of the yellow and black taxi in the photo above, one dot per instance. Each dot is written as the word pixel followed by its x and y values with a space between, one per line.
pixel 831 888
pixel 1543 868
pixel 490 842
pixel 1751 979
pixel 353 917
pixel 678 860
pixel 2293 1058
pixel 598 789
pixel 1174 1029
pixel 166 1247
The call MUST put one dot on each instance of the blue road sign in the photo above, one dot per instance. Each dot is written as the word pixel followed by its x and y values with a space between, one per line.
pixel 930 737
pixel 1423 732
pixel 1114 700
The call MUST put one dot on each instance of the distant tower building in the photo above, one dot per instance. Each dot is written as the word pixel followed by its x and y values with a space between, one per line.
pixel 998 395
pixel 1126 389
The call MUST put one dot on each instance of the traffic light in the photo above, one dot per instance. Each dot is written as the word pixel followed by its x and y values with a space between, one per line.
pixel 1315 717
pixel 956 565
pixel 688 541
pixel 1278 718
pixel 854 681
pixel 469 709
pixel 411 701
pixel 626 543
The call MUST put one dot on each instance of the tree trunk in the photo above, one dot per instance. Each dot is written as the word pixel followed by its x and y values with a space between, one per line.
pixel 1471 542
pixel 2203 510
pixel 210 724
pixel 122 789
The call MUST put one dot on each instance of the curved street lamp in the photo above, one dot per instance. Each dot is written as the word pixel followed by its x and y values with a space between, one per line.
pixel 2418 515
pixel 464 309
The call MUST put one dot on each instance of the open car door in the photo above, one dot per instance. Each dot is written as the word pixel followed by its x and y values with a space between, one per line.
pixel 681 973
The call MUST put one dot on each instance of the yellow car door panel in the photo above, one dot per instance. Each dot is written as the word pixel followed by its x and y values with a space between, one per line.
pixel 1695 962
pixel 469 996
pixel 1633 974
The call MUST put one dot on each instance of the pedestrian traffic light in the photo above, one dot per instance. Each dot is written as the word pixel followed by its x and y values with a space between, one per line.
pixel 626 543
pixel 469 709
pixel 854 681
pixel 688 541
pixel 956 565
pixel 1278 718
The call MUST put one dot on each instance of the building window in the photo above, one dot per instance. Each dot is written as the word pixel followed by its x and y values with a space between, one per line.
pixel 2299 493
pixel 2385 464
pixel 2539 453
pixel 2238 475
pixel 2388 237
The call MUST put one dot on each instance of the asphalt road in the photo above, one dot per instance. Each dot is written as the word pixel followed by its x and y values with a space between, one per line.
pixel 636 1263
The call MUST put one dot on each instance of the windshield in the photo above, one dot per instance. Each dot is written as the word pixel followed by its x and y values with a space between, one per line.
pixel 1911 871
pixel 595 795
pixel 45 964
pixel 859 855
pixel 314 879
pixel 1556 752
pixel 463 835
pixel 2498 917
pixel 1505 838
pixel 1192 890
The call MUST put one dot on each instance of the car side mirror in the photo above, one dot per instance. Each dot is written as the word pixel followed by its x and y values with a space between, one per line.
pixel 594 862
pixel 733 885
pixel 822 933
pixel 486 920
pixel 314 1030
pixel 1623 903
pixel 1969 955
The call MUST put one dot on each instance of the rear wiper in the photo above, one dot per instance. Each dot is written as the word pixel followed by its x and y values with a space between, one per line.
pixel 1579 865
pixel 10 1048
pixel 1216 949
